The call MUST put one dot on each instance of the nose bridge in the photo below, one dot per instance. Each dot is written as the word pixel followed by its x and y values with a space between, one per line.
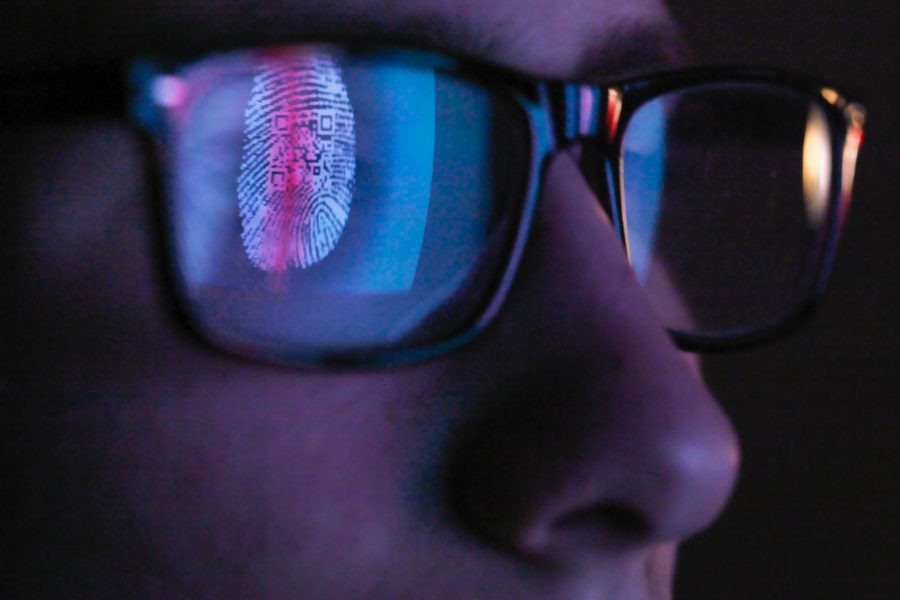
pixel 586 117
pixel 608 434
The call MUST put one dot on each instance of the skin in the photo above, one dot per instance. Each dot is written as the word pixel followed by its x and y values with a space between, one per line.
pixel 563 454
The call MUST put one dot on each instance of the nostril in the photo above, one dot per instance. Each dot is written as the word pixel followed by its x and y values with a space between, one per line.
pixel 593 529
pixel 613 518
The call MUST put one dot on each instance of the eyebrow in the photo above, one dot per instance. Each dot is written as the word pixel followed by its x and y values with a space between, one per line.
pixel 624 45
pixel 627 48
pixel 445 33
pixel 632 51
pixel 41 42
pixel 621 48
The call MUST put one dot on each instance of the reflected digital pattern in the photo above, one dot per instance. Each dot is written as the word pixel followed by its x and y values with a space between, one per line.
pixel 298 161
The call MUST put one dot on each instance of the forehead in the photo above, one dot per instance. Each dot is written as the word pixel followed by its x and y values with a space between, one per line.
pixel 550 38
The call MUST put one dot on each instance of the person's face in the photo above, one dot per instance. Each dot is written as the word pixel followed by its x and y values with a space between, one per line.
pixel 562 454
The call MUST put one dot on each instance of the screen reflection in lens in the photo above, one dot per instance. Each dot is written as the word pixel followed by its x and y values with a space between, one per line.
pixel 332 200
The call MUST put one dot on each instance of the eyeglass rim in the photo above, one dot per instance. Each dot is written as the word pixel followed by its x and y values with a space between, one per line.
pixel 535 97
pixel 840 112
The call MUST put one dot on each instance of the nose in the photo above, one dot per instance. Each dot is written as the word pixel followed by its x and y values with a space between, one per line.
pixel 599 433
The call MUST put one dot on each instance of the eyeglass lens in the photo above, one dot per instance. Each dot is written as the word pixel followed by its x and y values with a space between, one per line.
pixel 333 201
pixel 726 198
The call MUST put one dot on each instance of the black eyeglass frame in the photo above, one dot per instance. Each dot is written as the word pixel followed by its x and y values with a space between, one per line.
pixel 556 122
pixel 845 118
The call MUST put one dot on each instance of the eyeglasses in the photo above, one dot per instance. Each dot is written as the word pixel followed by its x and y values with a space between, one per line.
pixel 337 205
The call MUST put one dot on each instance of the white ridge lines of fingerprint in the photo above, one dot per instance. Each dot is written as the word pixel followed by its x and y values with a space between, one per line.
pixel 300 88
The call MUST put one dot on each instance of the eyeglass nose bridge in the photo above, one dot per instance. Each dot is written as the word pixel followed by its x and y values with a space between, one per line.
pixel 587 117
pixel 582 111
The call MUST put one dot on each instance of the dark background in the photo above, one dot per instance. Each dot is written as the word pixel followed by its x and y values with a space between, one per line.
pixel 817 511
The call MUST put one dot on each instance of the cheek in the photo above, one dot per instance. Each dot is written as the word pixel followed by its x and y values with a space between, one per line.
pixel 81 199
pixel 161 453
pixel 233 470
pixel 255 479
pixel 86 282
pixel 321 482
